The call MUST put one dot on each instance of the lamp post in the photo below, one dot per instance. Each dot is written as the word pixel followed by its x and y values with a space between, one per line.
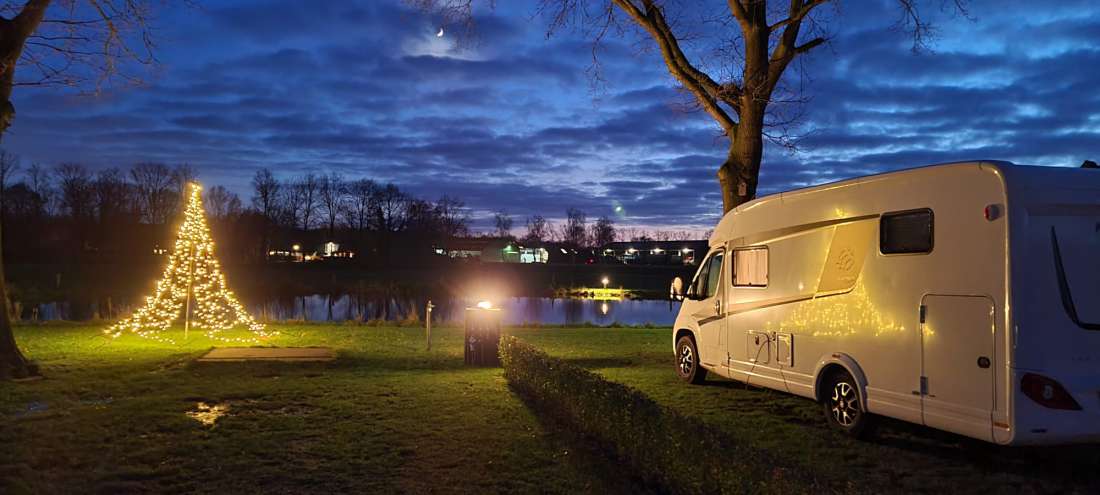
pixel 605 282
pixel 429 321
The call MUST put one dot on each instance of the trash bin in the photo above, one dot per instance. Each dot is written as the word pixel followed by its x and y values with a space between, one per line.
pixel 482 337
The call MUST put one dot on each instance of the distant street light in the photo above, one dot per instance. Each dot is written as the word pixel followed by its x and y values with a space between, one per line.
pixel 605 282
pixel 296 247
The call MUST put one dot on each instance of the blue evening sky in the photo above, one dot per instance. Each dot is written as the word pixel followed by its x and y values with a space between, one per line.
pixel 515 122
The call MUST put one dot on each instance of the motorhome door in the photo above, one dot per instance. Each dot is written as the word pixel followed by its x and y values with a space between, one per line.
pixel 704 303
pixel 957 360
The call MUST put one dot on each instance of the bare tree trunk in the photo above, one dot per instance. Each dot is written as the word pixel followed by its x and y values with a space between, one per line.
pixel 12 362
pixel 13 36
pixel 740 173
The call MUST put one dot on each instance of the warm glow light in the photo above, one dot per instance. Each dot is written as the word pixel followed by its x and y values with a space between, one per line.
pixel 192 272
pixel 485 305
pixel 605 281
pixel 296 247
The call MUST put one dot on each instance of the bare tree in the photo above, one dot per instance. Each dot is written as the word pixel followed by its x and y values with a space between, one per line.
pixel 265 189
pixel 41 184
pixel 450 212
pixel 574 231
pixel 304 199
pixel 265 199
pixel 334 194
pixel 602 232
pixel 9 166
pixel 390 216
pixel 157 191
pixel 77 194
pixel 289 206
pixel 82 44
pixel 538 231
pixel 221 203
pixel 503 222
pixel 734 73
pixel 76 43
pixel 680 235
pixel 362 204
pixel 182 177
pixel 111 194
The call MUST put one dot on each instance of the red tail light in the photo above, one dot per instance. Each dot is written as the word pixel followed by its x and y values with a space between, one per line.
pixel 1047 392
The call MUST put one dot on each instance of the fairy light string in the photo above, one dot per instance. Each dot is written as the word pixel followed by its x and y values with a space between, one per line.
pixel 192 264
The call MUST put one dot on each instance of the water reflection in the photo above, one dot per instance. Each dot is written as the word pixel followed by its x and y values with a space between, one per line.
pixel 352 307
pixel 516 310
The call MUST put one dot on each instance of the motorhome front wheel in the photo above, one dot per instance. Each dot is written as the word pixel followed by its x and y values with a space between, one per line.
pixel 687 361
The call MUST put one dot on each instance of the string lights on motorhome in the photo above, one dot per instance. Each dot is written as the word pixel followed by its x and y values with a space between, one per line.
pixel 192 274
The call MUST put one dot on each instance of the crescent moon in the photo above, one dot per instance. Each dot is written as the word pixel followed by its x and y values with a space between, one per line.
pixel 439 34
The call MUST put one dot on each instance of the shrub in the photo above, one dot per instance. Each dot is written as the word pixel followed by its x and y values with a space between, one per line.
pixel 663 447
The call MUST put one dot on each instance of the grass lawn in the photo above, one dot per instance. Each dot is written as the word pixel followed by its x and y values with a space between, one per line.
pixel 899 458
pixel 388 416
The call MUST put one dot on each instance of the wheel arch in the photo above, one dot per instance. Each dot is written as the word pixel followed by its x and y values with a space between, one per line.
pixel 834 362
pixel 681 333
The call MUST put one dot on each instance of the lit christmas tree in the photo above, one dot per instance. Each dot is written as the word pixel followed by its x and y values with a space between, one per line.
pixel 192 274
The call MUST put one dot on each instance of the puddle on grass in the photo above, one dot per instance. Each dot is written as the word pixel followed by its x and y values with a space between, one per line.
pixel 253 407
pixel 97 403
pixel 33 408
pixel 208 414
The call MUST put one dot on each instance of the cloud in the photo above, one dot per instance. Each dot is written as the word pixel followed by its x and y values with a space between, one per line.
pixel 511 120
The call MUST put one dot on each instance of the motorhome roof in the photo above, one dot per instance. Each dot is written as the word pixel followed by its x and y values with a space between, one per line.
pixel 1018 173
pixel 864 178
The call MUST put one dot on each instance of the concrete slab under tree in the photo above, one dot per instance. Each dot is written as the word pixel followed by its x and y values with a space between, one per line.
pixel 295 354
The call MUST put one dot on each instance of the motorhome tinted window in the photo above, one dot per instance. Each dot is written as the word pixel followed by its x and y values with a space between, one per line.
pixel 696 290
pixel 714 273
pixel 906 232
pixel 750 267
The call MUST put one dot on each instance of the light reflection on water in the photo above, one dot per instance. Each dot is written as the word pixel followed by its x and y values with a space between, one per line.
pixel 515 310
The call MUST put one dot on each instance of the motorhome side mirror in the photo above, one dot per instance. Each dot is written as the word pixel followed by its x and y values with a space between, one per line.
pixel 677 289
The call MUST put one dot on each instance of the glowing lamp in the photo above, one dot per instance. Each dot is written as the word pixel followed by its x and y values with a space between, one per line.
pixel 485 305
pixel 605 281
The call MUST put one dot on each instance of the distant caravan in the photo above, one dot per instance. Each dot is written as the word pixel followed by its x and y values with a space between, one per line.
pixel 963 296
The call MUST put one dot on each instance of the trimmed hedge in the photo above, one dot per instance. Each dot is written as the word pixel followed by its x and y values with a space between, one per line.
pixel 662 447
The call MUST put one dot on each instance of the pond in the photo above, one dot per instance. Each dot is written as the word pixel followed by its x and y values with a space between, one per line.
pixel 515 310
pixel 347 307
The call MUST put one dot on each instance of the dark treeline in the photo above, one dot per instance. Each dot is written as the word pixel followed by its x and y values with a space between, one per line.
pixel 73 214
pixel 96 240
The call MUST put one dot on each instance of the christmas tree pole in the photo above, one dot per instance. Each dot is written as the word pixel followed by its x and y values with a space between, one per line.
pixel 192 273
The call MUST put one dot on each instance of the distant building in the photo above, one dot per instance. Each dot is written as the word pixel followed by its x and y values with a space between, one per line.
pixel 295 253
pixel 492 250
pixel 655 252
pixel 332 249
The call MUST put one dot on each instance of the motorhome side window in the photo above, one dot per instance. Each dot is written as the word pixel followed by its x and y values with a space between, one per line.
pixel 714 273
pixel 706 282
pixel 750 267
pixel 906 232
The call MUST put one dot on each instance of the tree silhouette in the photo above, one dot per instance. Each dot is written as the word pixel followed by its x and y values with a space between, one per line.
pixel 75 43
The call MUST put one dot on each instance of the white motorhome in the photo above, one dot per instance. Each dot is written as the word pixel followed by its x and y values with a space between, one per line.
pixel 962 296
